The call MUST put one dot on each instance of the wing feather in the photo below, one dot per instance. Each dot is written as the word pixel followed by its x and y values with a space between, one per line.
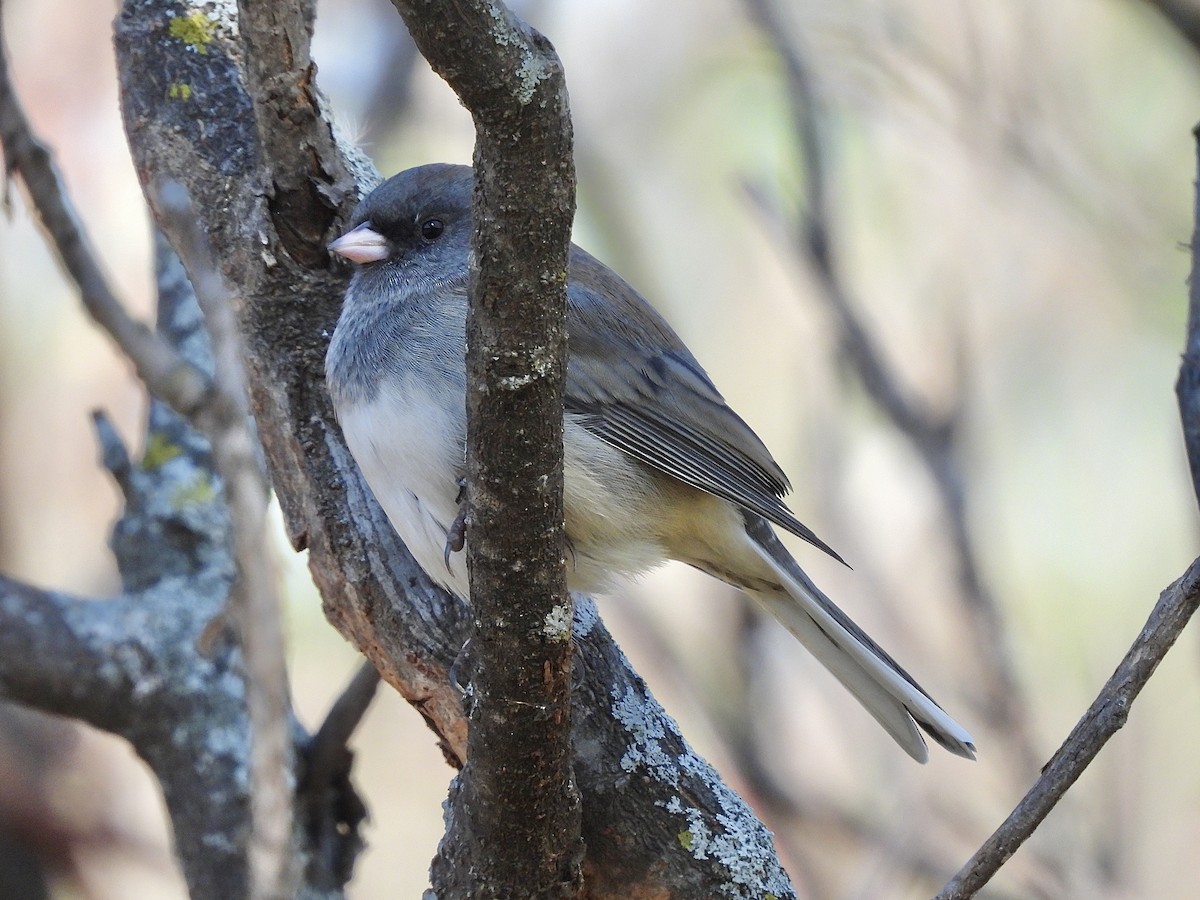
pixel 633 383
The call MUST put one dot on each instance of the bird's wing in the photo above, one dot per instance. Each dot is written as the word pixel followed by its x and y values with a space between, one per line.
pixel 633 383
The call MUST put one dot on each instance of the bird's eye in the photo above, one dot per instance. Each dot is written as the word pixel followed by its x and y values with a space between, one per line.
pixel 431 229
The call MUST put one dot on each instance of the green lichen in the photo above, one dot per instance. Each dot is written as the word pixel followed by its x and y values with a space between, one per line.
pixel 200 491
pixel 179 91
pixel 195 29
pixel 159 451
pixel 685 839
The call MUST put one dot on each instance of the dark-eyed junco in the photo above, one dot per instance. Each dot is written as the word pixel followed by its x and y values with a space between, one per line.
pixel 657 466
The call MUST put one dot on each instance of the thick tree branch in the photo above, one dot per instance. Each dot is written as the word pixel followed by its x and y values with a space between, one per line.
pixel 657 820
pixel 513 824
pixel 206 139
pixel 308 182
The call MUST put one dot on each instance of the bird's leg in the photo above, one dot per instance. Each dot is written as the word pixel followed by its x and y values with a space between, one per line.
pixel 456 536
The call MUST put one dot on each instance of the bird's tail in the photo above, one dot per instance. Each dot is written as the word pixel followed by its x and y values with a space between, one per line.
pixel 889 693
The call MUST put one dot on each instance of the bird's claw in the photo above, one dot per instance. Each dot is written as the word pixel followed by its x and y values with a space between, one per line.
pixel 456 537
pixel 458 669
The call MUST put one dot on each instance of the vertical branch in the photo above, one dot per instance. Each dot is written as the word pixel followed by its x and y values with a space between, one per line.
pixel 1187 387
pixel 254 603
pixel 1175 608
pixel 515 814
pixel 932 436
pixel 307 182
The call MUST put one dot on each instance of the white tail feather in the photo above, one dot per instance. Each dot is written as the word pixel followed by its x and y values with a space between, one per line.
pixel 895 700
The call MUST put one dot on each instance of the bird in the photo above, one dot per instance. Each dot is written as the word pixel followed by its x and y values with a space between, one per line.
pixel 657 466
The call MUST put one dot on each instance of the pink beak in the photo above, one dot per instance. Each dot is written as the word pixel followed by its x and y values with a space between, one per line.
pixel 362 245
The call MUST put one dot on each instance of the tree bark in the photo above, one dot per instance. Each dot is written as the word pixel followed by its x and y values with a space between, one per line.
pixel 513 820
pixel 657 821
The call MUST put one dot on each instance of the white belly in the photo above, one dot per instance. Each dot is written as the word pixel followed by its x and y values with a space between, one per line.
pixel 410 449
pixel 411 452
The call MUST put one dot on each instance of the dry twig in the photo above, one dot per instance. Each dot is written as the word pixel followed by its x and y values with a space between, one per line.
pixel 932 435
pixel 165 372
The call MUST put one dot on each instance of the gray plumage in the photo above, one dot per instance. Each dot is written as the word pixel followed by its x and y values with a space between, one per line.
pixel 657 466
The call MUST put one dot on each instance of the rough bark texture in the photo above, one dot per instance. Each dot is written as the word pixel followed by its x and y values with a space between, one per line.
pixel 513 819
pixel 657 820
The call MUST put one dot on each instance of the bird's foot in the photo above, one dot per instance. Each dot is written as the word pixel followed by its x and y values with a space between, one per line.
pixel 456 536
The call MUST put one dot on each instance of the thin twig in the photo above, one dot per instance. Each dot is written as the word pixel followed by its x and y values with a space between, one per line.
pixel 327 751
pixel 1107 714
pixel 253 603
pixel 1187 387
pixel 165 372
pixel 1110 709
pixel 932 435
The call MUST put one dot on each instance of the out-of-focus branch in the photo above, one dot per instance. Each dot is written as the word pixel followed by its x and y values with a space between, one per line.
pixel 324 779
pixel 254 603
pixel 329 746
pixel 166 373
pixel 1175 608
pixel 131 664
pixel 1187 387
pixel 1107 714
pixel 932 435
pixel 1184 16
pixel 149 665
pixel 219 408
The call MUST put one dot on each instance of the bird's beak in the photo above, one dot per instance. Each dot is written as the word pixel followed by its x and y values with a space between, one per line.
pixel 362 245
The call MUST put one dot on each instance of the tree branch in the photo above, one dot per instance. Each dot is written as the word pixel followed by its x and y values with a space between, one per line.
pixel 1187 387
pixel 308 183
pixel 219 410
pixel 933 436
pixel 153 665
pixel 657 821
pixel 133 665
pixel 1107 714
pixel 253 603
pixel 514 819
pixel 164 371
pixel 1175 608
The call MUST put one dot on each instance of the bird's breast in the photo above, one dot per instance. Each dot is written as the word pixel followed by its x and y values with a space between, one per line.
pixel 408 440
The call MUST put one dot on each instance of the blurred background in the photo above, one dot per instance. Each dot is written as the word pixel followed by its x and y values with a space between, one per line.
pixel 1010 190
